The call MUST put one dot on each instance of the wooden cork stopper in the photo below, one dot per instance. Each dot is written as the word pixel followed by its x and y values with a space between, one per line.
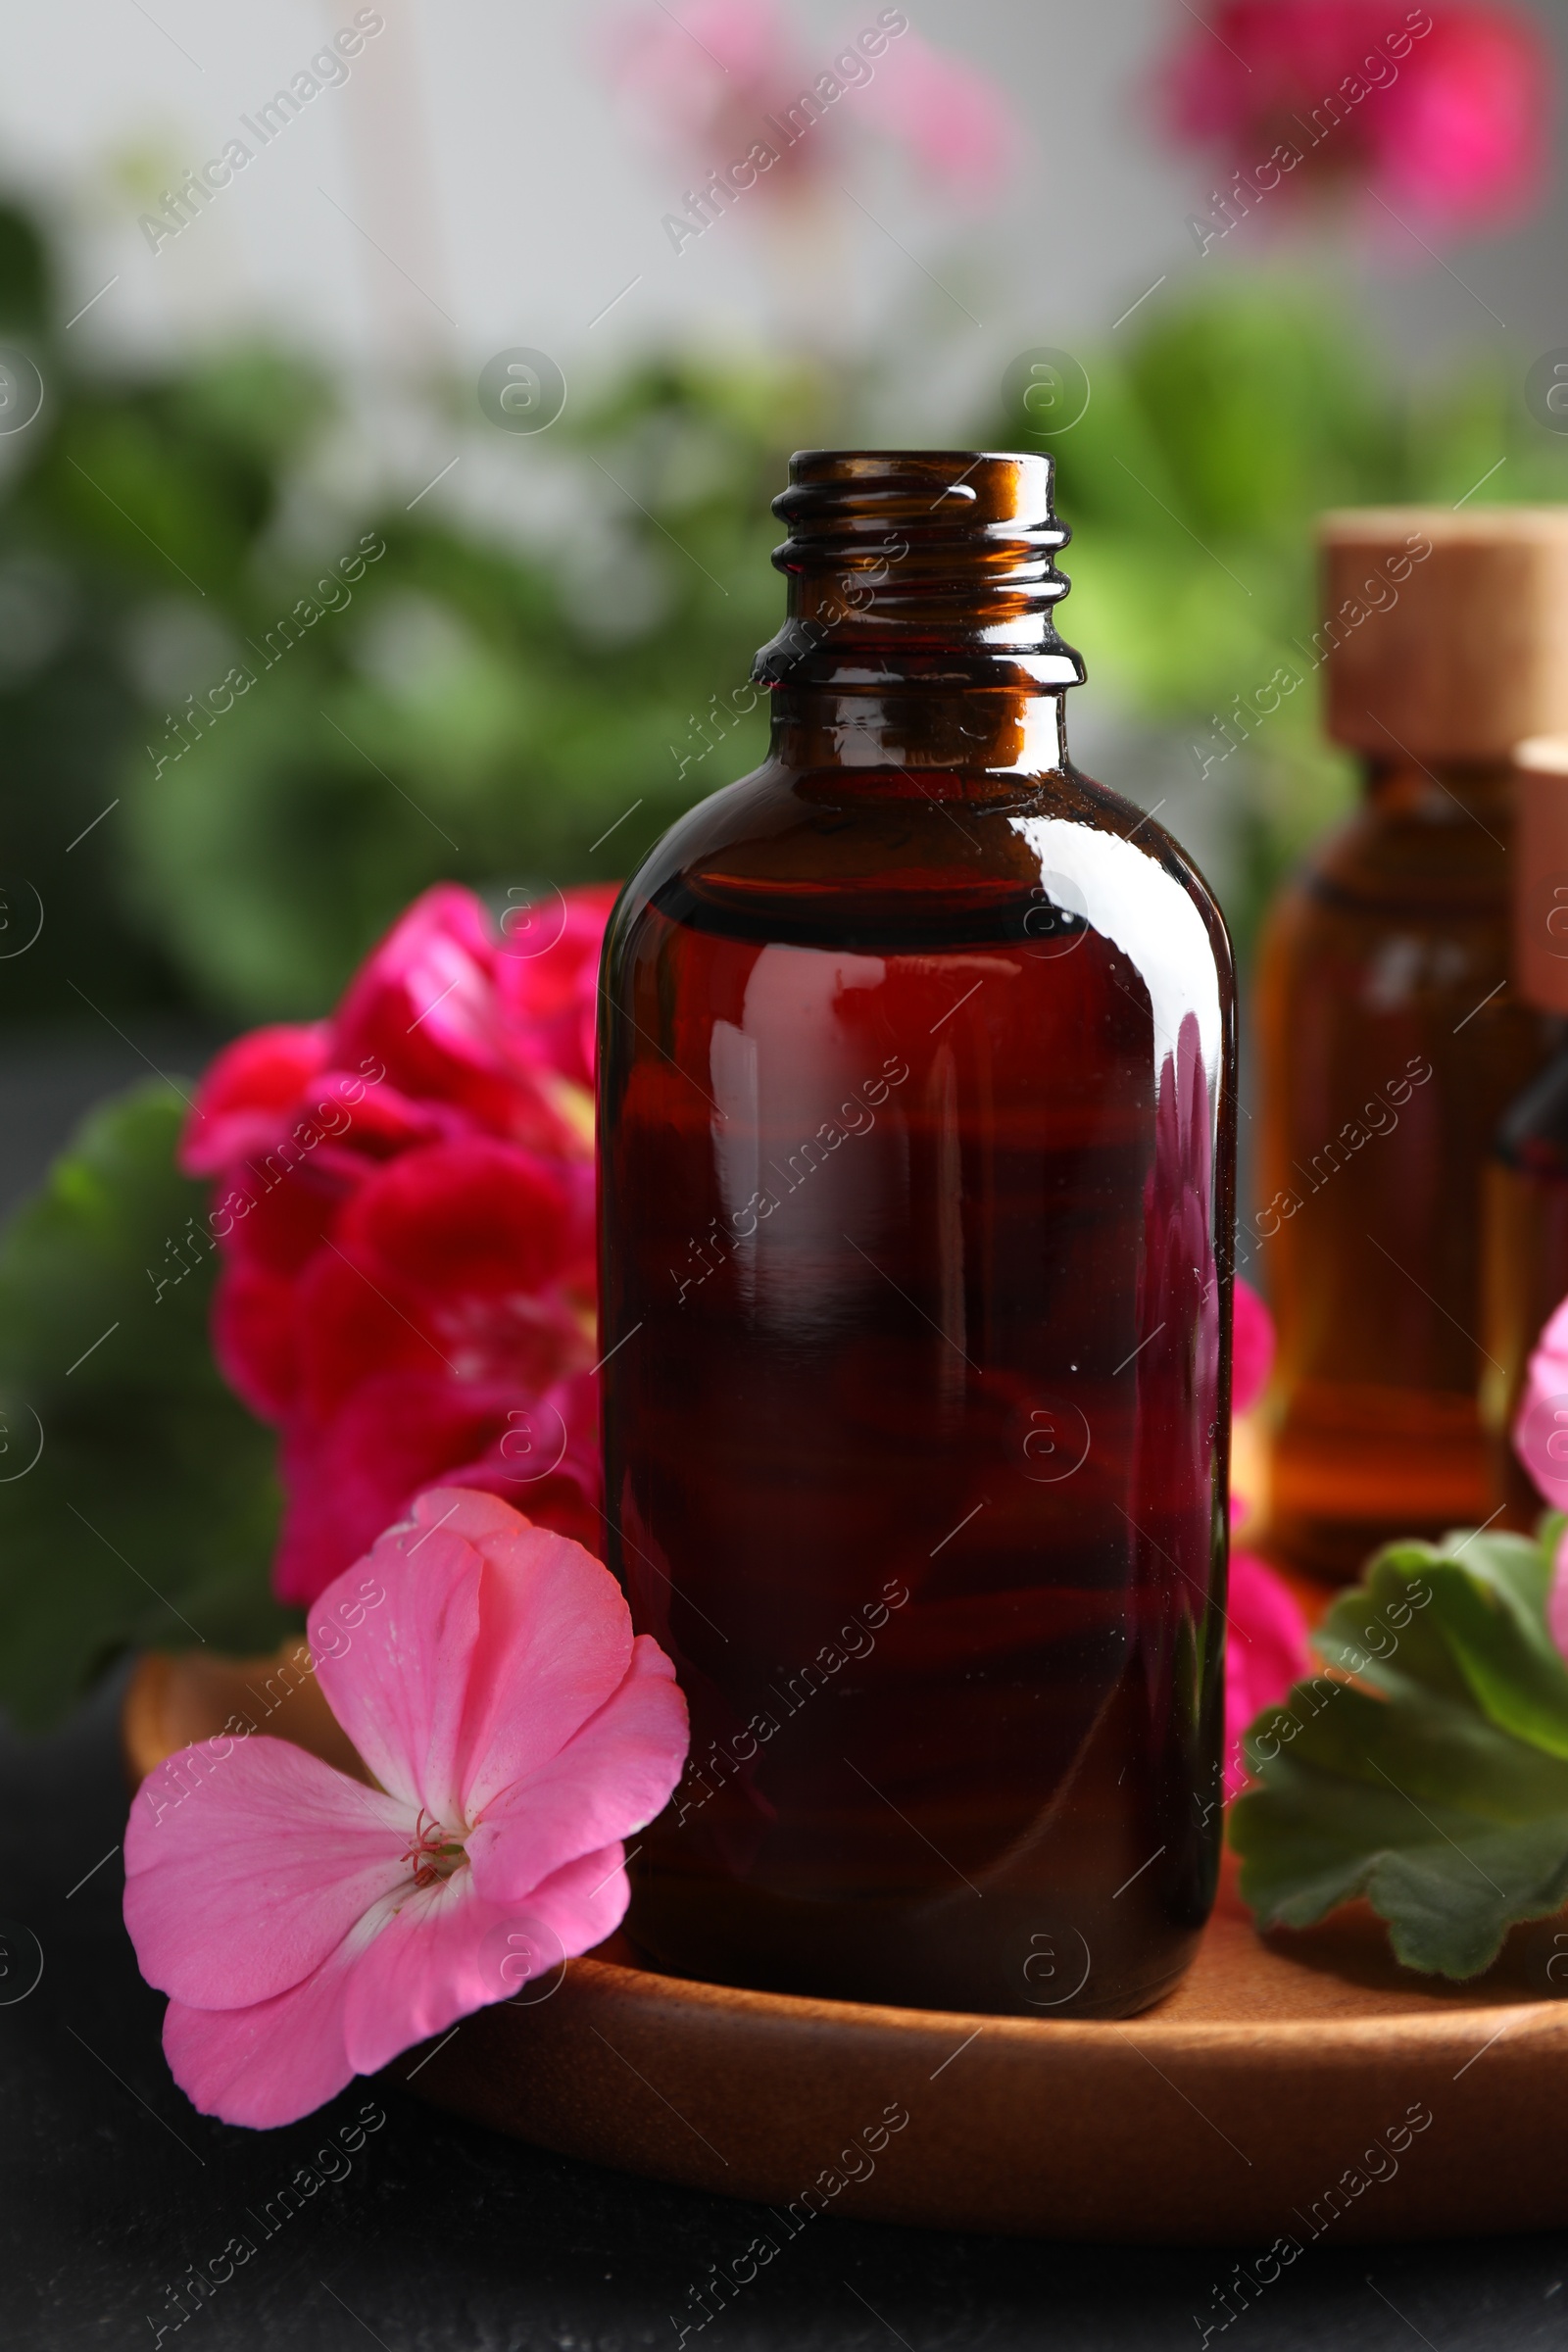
pixel 1444 634
pixel 1541 873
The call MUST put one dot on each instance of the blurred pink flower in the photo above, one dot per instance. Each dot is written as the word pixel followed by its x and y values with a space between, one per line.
pixel 1541 1431
pixel 718 80
pixel 306 1927
pixel 953 122
pixel 1265 1647
pixel 405 1210
pixel 1253 1356
pixel 1541 1441
pixel 1441 113
pixel 1265 1652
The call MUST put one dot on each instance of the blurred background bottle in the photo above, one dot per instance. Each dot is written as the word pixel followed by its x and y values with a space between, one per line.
pixel 1390 1039
pixel 1525 1183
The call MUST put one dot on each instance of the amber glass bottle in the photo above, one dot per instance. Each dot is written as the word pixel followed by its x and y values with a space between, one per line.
pixel 1524 1252
pixel 1390 1039
pixel 918 1134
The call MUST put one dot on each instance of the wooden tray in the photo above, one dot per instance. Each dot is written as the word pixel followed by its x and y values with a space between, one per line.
pixel 1301 2086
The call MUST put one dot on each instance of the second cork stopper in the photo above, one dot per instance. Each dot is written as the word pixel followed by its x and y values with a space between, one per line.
pixel 1444 635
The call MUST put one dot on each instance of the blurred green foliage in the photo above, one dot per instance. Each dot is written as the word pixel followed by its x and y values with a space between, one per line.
pixel 492 700
pixel 138 1499
pixel 1213 437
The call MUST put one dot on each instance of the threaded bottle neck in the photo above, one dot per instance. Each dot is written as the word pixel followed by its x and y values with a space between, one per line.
pixel 920 567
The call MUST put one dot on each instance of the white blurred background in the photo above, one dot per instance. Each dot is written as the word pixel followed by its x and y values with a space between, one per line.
pixel 475 184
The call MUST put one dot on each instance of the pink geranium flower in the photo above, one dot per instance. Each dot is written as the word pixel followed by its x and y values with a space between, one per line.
pixel 708 78
pixel 308 1926
pixel 1265 1650
pixel 1541 1441
pixel 1453 134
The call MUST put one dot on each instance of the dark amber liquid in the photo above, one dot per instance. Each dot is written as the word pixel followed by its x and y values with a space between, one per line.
pixel 1524 1273
pixel 916 1420
pixel 1388 958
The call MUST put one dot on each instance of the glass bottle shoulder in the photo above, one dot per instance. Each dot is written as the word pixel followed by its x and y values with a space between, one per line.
pixel 1424 852
pixel 882 857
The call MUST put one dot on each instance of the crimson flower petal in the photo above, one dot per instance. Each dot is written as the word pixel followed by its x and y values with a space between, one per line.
pixel 252 1337
pixel 241 1102
pixel 347 1475
pixel 478 1218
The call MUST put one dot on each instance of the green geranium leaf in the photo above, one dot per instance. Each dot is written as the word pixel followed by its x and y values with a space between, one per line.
pixel 139 1500
pixel 1436 1782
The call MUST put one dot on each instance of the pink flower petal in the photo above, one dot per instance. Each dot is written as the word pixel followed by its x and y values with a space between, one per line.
pixel 1557 1598
pixel 955 121
pixel 555 1624
pixel 1265 1652
pixel 406 1196
pixel 1540 1429
pixel 263 2066
pixel 408 1970
pixel 584 1901
pixel 443 1953
pixel 398 1687
pixel 435 1958
pixel 609 1781
pixel 445 937
pixel 1253 1353
pixel 480 1667
pixel 308 1927
pixel 275 1852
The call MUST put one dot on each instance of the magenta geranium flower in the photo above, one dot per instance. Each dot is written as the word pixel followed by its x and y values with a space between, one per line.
pixel 1252 1352
pixel 1443 113
pixel 308 1926
pixel 1265 1648
pixel 1541 1441
pixel 403 1207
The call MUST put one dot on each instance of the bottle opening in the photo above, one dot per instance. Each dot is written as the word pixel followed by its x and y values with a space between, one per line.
pixel 919 563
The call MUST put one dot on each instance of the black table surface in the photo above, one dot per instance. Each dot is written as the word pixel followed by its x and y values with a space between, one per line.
pixel 422 2232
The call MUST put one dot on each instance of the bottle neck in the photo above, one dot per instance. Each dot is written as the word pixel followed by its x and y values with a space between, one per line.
pixel 1440 791
pixel 904 733
pixel 923 574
